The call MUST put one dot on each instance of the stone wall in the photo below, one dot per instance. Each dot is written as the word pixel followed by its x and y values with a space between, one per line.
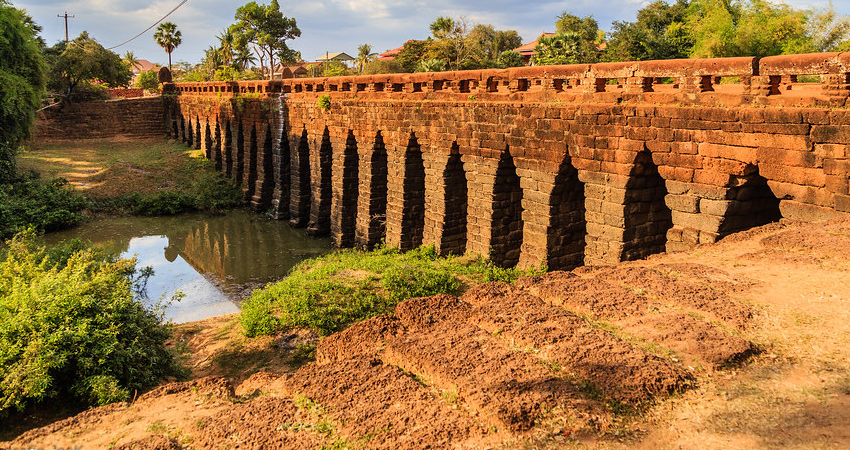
pixel 555 165
pixel 126 118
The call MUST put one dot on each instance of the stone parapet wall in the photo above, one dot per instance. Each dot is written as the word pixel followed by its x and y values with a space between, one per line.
pixel 126 118
pixel 554 165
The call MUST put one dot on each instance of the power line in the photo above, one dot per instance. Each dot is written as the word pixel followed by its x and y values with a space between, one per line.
pixel 148 28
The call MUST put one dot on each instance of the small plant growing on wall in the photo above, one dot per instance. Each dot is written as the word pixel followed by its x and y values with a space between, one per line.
pixel 324 102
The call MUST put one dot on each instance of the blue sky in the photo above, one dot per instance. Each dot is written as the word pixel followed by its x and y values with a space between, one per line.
pixel 326 25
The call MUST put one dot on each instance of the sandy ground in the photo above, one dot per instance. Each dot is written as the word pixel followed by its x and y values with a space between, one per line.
pixel 741 344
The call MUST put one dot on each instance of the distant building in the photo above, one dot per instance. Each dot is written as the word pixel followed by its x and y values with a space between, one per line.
pixel 390 55
pixel 527 50
pixel 144 66
pixel 339 56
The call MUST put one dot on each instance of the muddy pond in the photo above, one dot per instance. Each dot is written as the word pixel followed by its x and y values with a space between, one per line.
pixel 211 261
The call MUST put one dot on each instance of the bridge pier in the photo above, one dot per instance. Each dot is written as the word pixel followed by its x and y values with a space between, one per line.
pixel 372 198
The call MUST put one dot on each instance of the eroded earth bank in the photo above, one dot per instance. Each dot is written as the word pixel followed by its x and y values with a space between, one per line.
pixel 740 344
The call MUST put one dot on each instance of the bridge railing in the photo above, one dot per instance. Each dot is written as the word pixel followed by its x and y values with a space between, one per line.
pixel 816 79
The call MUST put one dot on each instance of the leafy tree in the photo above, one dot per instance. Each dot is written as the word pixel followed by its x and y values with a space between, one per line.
pixel 379 66
pixel 147 80
pixel 724 28
pixel 562 48
pixel 22 82
pixel 411 54
pixel 829 31
pixel 364 57
pixel 168 37
pixel 82 61
pixel 586 27
pixel 510 58
pixel 485 44
pixel 266 30
pixel 450 41
pixel 431 65
pixel 658 33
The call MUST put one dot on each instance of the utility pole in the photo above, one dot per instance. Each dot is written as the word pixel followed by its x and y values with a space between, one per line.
pixel 66 16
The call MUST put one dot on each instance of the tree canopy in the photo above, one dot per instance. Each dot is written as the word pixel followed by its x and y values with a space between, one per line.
pixel 22 78
pixel 266 30
pixel 84 60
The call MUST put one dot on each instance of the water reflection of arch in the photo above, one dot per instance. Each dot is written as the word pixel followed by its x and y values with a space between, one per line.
pixel 238 250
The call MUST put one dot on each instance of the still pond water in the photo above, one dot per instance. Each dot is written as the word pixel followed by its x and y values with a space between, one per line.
pixel 213 260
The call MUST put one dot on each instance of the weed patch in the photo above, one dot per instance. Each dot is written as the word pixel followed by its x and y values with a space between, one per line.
pixel 333 291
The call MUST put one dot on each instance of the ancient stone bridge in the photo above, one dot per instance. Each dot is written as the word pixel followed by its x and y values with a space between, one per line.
pixel 555 165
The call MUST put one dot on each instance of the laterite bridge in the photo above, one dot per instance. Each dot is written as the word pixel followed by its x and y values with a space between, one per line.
pixel 555 165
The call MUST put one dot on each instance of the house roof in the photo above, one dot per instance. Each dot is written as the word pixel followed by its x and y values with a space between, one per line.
pixel 145 65
pixel 339 56
pixel 528 49
pixel 390 55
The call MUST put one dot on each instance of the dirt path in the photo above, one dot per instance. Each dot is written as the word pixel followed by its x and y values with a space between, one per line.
pixel 741 344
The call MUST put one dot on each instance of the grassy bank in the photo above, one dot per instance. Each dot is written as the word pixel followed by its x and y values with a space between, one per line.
pixel 333 291
pixel 153 177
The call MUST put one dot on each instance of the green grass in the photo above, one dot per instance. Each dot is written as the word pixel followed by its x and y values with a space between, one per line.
pixel 334 291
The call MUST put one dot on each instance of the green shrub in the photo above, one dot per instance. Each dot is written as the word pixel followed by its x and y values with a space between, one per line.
pixel 46 205
pixel 331 292
pixel 70 327
pixel 148 80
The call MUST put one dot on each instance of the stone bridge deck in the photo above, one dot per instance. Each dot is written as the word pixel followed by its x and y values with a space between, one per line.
pixel 555 165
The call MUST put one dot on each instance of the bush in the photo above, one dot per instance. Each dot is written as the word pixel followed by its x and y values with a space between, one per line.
pixel 70 327
pixel 148 80
pixel 333 291
pixel 46 205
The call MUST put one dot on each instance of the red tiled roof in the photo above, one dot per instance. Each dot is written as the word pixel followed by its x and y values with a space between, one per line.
pixel 145 65
pixel 390 55
pixel 528 49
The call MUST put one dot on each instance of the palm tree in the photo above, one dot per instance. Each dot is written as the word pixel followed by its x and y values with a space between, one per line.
pixel 364 56
pixel 131 61
pixel 225 39
pixel 168 37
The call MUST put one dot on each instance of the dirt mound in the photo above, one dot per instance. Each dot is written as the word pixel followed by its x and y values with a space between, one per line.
pixel 154 442
pixel 549 360
pixel 829 240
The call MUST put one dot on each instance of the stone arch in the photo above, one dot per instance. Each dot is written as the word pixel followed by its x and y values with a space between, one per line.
pixel 197 134
pixel 506 222
pixel 228 150
pixel 750 203
pixel 372 202
pixel 282 173
pixel 413 196
pixel 299 204
pixel 240 154
pixel 320 207
pixel 346 194
pixel 182 128
pixel 264 162
pixel 646 216
pixel 251 178
pixel 217 146
pixel 188 134
pixel 453 237
pixel 566 235
pixel 207 141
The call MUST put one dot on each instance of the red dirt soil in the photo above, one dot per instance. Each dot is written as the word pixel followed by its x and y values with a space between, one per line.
pixel 599 356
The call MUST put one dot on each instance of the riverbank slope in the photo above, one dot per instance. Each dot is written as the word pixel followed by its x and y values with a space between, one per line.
pixel 740 344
